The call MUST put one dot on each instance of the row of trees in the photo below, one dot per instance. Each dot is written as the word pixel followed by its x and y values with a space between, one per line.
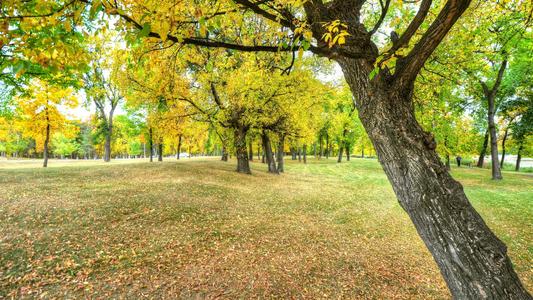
pixel 246 72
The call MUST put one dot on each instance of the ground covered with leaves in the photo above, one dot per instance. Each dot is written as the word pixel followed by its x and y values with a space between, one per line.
pixel 196 229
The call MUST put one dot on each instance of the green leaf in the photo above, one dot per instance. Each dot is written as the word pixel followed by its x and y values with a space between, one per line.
pixel 145 31
pixel 373 73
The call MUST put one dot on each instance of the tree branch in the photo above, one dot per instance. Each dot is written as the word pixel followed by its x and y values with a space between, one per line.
pixel 408 68
pixel 384 10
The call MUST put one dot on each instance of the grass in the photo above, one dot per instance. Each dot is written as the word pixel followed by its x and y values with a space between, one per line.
pixel 196 229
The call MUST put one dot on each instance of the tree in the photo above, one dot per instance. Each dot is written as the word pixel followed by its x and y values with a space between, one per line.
pixel 41 115
pixel 101 90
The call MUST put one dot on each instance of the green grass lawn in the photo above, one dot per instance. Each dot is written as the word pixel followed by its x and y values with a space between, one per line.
pixel 195 229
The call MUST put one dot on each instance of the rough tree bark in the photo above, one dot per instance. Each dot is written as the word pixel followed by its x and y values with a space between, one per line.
pixel 481 160
pixel 472 260
pixel 241 151
pixel 269 156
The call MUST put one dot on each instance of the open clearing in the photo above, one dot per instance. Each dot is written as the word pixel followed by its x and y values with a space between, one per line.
pixel 197 229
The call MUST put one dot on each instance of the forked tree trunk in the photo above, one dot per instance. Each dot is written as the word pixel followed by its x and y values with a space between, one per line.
pixel 241 151
pixel 269 156
pixel 281 146
pixel 472 260
pixel 483 152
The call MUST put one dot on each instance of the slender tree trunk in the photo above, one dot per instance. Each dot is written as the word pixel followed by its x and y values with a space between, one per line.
pixel 241 151
pixel 363 151
pixel 503 146
pixel 224 153
pixel 151 143
pixel 481 160
pixel 259 147
pixel 320 148
pixel 251 150
pixel 109 134
pixel 299 154
pixel 269 156
pixel 327 146
pixel 160 150
pixel 472 260
pixel 339 159
pixel 281 146
pixel 46 141
pixel 496 171
pixel 519 156
pixel 348 152
pixel 179 145
pixel 305 153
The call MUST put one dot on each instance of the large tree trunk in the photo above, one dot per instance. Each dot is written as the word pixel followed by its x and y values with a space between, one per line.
pixel 503 146
pixel 241 151
pixel 269 156
pixel 519 156
pixel 483 152
pixel 472 260
pixel 496 171
pixel 151 143
pixel 281 146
